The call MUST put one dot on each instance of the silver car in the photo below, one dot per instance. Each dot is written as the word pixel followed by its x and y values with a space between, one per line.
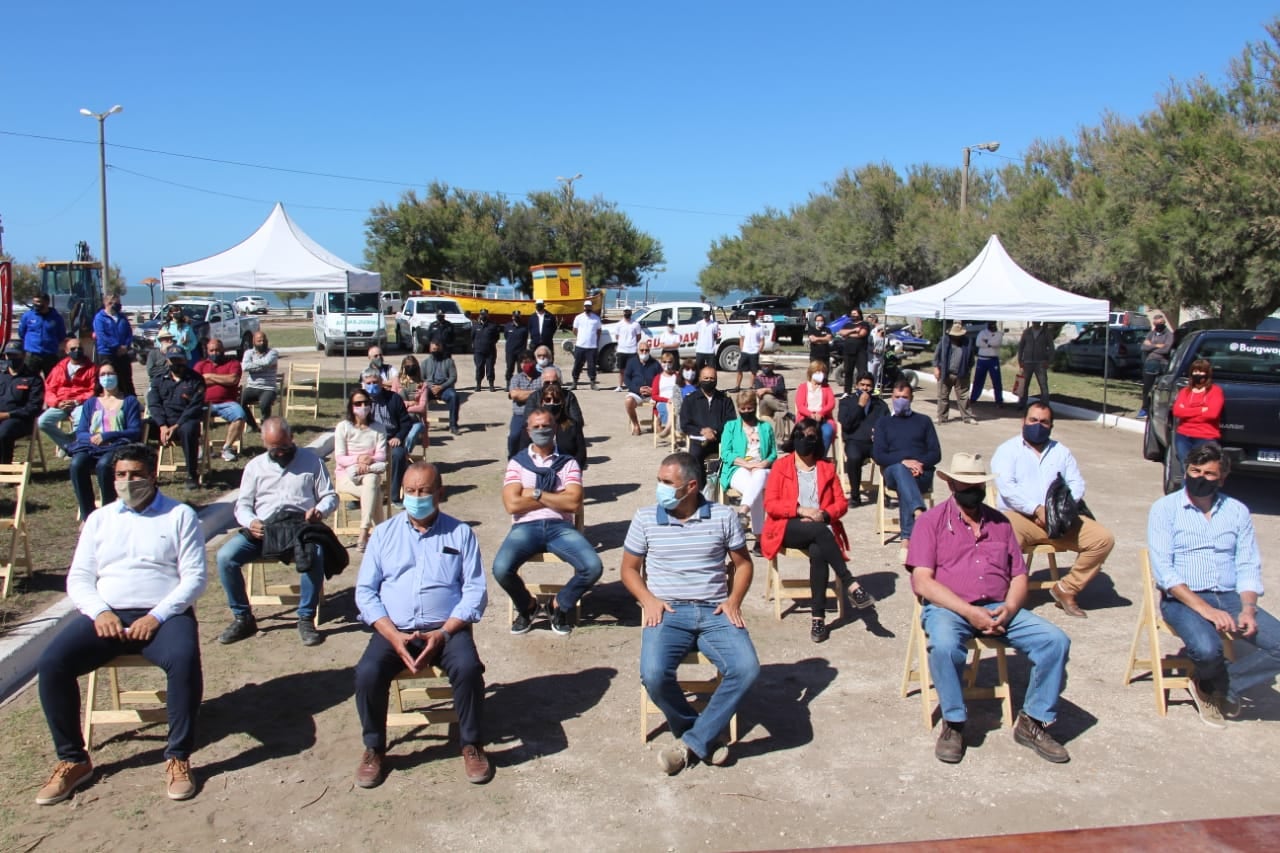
pixel 1085 353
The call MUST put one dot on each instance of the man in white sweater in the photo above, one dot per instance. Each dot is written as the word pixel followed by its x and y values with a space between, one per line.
pixel 137 572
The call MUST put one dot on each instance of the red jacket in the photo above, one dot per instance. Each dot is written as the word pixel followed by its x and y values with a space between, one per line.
pixel 782 496
pixel 59 388
pixel 1198 414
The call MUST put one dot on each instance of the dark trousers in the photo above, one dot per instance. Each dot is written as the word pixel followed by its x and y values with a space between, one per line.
pixel 816 539
pixel 854 364
pixel 13 430
pixel 78 650
pixel 83 465
pixel 188 437
pixel 1151 370
pixel 485 363
pixel 264 397
pixel 380 664
pixel 623 359
pixel 701 451
pixel 856 453
pixel 41 363
pixel 399 462
pixel 703 359
pixel 512 355
pixel 581 356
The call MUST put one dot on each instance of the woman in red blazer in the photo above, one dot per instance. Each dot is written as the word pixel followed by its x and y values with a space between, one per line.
pixel 803 505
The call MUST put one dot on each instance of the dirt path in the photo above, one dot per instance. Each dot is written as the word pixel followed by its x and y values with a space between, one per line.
pixel 829 753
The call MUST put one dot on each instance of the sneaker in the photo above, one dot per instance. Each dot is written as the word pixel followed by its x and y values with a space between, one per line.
pixel 619 390
pixel 493 387
pixel 1142 414
pixel 950 746
pixel 718 754
pixel 453 430
pixel 66 777
pixel 371 769
pixel 61 453
pixel 971 420
pixel 860 598
pixel 228 455
pixel 1230 706
pixel 476 765
pixel 523 623
pixel 674 759
pixel 560 621
pixel 179 785
pixel 241 628
pixel 1210 713
pixel 818 631
pixel 1031 734
pixel 594 386
pixel 307 631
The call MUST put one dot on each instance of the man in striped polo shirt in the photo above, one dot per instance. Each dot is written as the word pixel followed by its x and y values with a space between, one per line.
pixel 1205 559
pixel 690 602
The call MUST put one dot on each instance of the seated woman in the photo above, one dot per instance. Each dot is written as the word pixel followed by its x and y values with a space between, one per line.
pixel 409 385
pixel 803 504
pixel 666 385
pixel 108 421
pixel 815 400
pixel 569 438
pixel 360 456
pixel 748 447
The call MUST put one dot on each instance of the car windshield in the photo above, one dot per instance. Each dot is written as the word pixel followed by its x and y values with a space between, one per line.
pixel 194 311
pixel 356 303
pixel 431 306
pixel 1252 359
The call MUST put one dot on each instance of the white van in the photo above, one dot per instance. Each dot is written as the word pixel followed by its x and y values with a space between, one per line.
pixel 354 317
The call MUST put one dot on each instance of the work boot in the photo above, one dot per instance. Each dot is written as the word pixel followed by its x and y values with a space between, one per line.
pixel 307 631
pixel 476 765
pixel 1031 733
pixel 241 628
pixel 370 770
pixel 950 746
pixel 178 782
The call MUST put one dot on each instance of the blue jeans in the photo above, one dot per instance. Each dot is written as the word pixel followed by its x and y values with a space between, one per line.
pixel 1184 444
pixel 450 399
pixel 828 435
pixel 1044 643
pixel 50 422
pixel 662 413
pixel 82 464
pixel 399 462
pixel 1204 646
pixel 241 549
pixel 987 366
pixel 534 537
pixel 910 491
pixel 694 624
pixel 412 441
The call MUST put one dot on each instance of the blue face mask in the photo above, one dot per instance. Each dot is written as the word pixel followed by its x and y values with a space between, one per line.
pixel 667 498
pixel 420 507
pixel 371 389
pixel 110 381
pixel 1036 434
pixel 901 406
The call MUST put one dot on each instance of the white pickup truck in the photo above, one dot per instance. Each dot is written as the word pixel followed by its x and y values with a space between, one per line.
pixel 654 318
pixel 209 318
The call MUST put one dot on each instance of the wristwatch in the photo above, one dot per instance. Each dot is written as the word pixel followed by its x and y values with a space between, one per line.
pixel 537 495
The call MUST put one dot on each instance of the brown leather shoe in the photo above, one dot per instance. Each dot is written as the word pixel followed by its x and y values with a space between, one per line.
pixel 950 746
pixel 476 765
pixel 371 771
pixel 1031 734
pixel 1066 601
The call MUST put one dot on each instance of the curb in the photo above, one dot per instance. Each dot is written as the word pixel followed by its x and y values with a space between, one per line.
pixel 21 648
pixel 1078 413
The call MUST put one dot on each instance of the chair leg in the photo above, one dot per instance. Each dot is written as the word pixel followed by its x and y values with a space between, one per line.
pixel 89 699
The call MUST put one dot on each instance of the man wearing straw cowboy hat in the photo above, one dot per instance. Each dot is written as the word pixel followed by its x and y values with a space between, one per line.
pixel 967 568
pixel 952 364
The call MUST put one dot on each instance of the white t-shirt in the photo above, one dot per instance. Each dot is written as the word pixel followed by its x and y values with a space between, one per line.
pixel 708 331
pixel 752 339
pixel 629 335
pixel 587 328
pixel 669 340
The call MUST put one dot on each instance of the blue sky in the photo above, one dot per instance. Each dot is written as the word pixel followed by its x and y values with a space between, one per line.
pixel 689 115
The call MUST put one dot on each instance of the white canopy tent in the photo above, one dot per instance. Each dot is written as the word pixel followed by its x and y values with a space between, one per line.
pixel 278 256
pixel 993 287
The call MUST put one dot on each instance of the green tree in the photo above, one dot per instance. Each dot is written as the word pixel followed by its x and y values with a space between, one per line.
pixel 288 297
pixel 26 280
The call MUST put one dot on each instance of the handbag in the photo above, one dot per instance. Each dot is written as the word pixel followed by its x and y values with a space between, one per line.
pixel 1019 383
pixel 1062 512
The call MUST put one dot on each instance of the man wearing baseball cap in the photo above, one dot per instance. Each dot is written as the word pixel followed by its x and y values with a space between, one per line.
pixel 175 404
pixel 586 326
pixel 967 568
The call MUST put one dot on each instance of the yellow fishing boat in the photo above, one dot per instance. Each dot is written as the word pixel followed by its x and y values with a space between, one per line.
pixel 562 287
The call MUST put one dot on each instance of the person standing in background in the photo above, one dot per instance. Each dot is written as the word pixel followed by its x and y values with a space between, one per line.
pixel 42 332
pixel 112 340
pixel 484 348
pixel 853 338
pixel 819 338
pixel 708 331
pixel 989 342
pixel 586 327
pixel 516 334
pixel 542 328
pixel 1035 351
pixel 1156 348
pixel 627 339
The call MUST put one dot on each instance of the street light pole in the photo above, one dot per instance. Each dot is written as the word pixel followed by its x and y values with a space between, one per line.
pixel 964 172
pixel 568 184
pixel 102 187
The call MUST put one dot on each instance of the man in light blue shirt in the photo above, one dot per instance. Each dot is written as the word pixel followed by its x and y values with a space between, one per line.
pixel 1204 556
pixel 421 588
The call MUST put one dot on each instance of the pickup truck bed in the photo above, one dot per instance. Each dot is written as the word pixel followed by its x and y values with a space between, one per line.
pixel 1246 366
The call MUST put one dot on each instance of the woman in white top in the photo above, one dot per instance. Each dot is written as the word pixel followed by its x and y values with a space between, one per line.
pixel 360 451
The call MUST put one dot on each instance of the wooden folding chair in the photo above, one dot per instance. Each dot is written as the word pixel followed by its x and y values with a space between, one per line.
pixel 276 594
pixel 1167 671
pixel 211 419
pixel 778 588
pixel 698 691
pixel 436 696
pixel 117 713
pixel 344 524
pixel 18 475
pixel 167 459
pixel 302 380
pixel 915 670
pixel 544 592
pixel 35 450
pixel 887 522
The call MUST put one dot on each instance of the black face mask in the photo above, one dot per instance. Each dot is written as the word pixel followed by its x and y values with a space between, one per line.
pixel 1201 487
pixel 260 348
pixel 75 353
pixel 991 327
pixel 217 357
pixel 809 445
pixel 971 498
pixel 748 417
pixel 1199 379
pixel 282 456
pixel 553 408
pixel 708 385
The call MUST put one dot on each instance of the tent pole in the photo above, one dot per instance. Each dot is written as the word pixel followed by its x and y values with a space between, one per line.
pixel 1106 367
pixel 346 307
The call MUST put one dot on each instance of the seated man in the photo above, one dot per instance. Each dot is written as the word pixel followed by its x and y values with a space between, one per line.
pixel 906 448
pixel 421 588
pixel 771 393
pixel 673 562
pixel 440 375
pixel 638 380
pixel 263 382
pixel 380 364
pixel 859 413
pixel 542 489
pixel 21 400
pixel 175 404
pixel 703 415
pixel 966 566
pixel 1205 559
pixel 157 365
pixel 392 417
pixel 1026 465
pixel 522 388
pixel 285 478
pixel 67 386
pixel 138 570
pixel 222 391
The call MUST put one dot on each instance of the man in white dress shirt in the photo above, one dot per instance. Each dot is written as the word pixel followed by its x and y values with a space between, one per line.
pixel 586 328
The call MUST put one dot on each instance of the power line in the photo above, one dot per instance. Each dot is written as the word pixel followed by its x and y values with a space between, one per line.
pixel 93 183
pixel 231 195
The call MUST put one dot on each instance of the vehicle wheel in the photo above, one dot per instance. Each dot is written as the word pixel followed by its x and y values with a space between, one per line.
pixel 607 360
pixel 1152 450
pixel 1172 472
pixel 729 358
pixel 419 345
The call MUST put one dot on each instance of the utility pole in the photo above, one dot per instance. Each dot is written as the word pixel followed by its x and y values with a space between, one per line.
pixel 964 172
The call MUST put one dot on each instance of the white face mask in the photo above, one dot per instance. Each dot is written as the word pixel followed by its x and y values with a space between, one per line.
pixel 818 377
pixel 644 356
pixel 688 375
